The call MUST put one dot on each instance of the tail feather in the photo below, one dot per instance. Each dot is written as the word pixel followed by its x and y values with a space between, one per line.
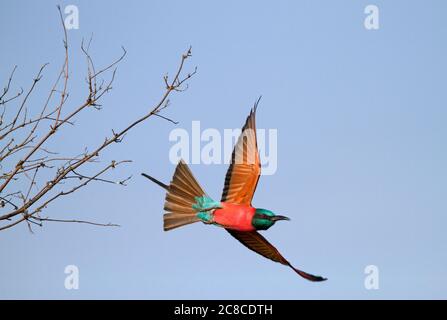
pixel 174 220
pixel 180 197
pixel 161 184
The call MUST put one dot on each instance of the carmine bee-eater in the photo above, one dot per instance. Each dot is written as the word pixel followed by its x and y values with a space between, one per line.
pixel 186 202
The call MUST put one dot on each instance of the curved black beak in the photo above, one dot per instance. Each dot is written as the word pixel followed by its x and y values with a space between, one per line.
pixel 278 217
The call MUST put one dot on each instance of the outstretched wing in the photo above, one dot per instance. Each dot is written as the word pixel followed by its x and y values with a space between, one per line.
pixel 240 185
pixel 245 168
pixel 253 240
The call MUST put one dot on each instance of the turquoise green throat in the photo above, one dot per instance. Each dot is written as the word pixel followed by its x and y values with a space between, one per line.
pixel 260 219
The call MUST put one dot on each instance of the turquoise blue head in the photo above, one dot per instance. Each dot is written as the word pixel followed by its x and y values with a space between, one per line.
pixel 264 219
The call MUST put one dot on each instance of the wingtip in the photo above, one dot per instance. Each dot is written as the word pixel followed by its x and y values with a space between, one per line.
pixel 320 279
pixel 309 276
pixel 313 278
pixel 256 104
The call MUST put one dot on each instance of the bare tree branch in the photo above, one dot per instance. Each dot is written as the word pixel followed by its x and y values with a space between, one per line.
pixel 31 176
pixel 77 221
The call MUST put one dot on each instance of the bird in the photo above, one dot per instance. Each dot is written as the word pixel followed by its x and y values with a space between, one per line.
pixel 187 203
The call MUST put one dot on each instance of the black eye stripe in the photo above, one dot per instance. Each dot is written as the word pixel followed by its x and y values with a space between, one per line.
pixel 262 216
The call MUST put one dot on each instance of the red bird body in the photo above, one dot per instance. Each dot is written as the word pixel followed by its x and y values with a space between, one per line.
pixel 235 216
pixel 186 202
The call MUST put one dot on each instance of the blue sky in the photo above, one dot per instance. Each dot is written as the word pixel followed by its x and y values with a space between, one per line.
pixel 362 150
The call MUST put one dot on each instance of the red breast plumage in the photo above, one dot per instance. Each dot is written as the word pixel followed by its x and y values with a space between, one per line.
pixel 235 216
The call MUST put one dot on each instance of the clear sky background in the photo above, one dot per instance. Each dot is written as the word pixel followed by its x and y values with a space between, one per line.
pixel 361 118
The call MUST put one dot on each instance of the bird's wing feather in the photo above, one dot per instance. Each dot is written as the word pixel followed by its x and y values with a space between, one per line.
pixel 253 240
pixel 245 168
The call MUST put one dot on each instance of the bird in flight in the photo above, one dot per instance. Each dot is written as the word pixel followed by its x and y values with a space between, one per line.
pixel 187 203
